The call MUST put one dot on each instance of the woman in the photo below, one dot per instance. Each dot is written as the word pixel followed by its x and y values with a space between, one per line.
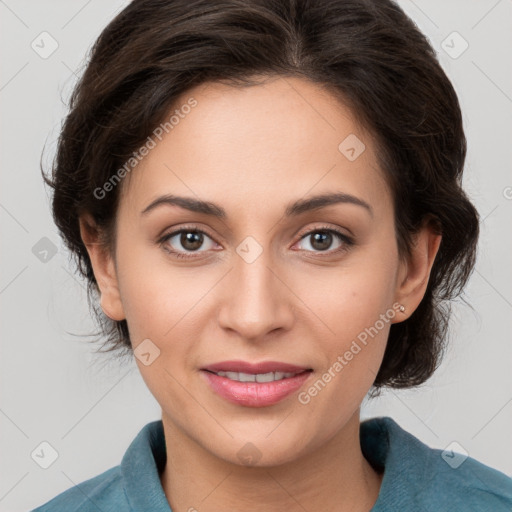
pixel 265 199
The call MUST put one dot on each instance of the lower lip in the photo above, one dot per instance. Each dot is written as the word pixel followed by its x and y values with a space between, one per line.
pixel 255 394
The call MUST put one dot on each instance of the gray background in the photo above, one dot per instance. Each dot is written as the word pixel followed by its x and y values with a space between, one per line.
pixel 55 389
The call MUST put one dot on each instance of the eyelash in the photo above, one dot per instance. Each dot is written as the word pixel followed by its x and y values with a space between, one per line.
pixel 346 240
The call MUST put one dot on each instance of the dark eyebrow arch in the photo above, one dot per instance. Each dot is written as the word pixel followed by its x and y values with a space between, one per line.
pixel 315 202
pixel 294 209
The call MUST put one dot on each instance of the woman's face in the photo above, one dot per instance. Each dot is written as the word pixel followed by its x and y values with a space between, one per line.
pixel 267 281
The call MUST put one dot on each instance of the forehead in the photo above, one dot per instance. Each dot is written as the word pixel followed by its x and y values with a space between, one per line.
pixel 270 142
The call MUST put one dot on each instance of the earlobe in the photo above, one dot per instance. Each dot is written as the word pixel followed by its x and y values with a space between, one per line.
pixel 103 266
pixel 415 270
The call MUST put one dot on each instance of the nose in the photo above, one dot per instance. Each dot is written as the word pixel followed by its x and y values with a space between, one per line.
pixel 257 300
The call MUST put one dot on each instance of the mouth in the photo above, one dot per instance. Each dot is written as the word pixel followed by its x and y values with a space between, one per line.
pixel 256 377
pixel 255 385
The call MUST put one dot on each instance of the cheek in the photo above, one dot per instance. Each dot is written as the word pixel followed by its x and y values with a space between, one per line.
pixel 354 355
pixel 347 299
pixel 352 306
pixel 163 303
pixel 155 294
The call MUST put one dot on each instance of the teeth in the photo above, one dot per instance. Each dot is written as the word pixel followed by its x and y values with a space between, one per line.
pixel 258 377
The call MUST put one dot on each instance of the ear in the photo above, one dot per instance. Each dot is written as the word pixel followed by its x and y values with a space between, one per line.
pixel 103 267
pixel 415 270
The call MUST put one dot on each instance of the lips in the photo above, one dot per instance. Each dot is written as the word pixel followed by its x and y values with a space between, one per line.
pixel 255 385
pixel 254 368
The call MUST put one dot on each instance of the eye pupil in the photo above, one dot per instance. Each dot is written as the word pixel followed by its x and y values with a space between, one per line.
pixel 324 240
pixel 191 240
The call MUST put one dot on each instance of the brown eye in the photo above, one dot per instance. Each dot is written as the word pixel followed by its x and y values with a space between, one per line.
pixel 191 241
pixel 321 240
pixel 185 242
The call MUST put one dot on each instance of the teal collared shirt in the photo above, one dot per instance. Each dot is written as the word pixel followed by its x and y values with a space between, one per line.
pixel 416 478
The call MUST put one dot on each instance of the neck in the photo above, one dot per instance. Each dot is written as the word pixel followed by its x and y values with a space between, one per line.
pixel 335 477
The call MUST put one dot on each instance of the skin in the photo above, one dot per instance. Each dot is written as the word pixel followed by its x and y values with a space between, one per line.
pixel 253 151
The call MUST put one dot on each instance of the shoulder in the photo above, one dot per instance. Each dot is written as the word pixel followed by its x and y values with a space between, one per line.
pixel 459 482
pixel 133 485
pixel 103 492
pixel 430 478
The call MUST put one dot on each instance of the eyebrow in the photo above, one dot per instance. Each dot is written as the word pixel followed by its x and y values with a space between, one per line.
pixel 293 209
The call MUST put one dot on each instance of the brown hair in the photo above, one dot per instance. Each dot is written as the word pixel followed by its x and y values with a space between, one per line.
pixel 368 53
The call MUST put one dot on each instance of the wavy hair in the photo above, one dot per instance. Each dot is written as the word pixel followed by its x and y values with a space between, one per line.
pixel 369 54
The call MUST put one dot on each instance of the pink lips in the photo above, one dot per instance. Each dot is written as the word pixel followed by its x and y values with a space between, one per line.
pixel 255 394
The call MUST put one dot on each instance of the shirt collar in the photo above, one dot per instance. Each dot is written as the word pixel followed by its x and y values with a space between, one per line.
pixel 383 443
pixel 141 467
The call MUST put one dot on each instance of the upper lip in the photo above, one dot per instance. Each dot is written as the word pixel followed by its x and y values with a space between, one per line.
pixel 254 368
